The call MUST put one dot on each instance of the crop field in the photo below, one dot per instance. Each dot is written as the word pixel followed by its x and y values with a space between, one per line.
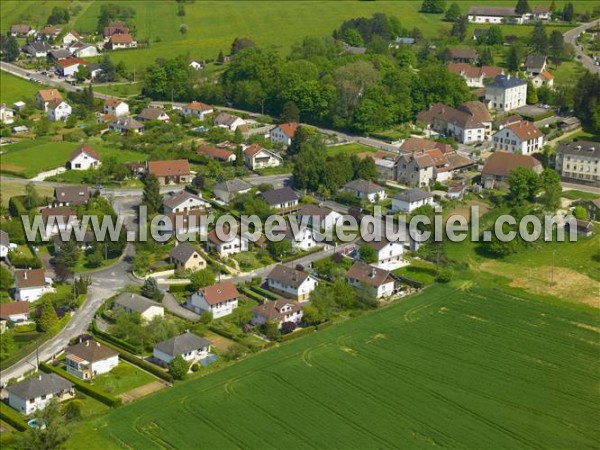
pixel 13 89
pixel 467 365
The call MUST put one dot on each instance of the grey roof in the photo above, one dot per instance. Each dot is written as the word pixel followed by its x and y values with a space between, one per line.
pixel 235 185
pixel 492 11
pixel 506 81
pixel 580 148
pixel 226 119
pixel 4 239
pixel 183 343
pixel 44 384
pixel 287 275
pixel 182 252
pixel 127 123
pixel 405 40
pixel 77 195
pixel 279 196
pixel 151 113
pixel 39 46
pixel 178 198
pixel 355 50
pixel 363 186
pixel 413 195
pixel 135 302
pixel 535 61
pixel 60 53
pixel 93 66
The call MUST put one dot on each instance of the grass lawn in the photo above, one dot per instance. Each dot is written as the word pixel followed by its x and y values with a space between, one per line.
pixel 122 378
pixel 579 195
pixel 566 72
pixel 248 261
pixel 421 271
pixel 585 136
pixel 120 90
pixel 467 365
pixel 13 89
pixel 10 189
pixel 350 149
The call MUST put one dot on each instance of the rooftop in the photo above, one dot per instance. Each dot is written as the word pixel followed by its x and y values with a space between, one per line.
pixel 43 384
pixel 181 344
pixel 288 276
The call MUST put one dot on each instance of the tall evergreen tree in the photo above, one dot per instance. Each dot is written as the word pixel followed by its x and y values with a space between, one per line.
pixel 522 7
pixel 11 51
pixel 539 39
pixel 486 58
pixel 290 112
pixel 48 319
pixel 152 196
pixel 568 13
pixel 460 27
pixel 513 61
pixel 453 12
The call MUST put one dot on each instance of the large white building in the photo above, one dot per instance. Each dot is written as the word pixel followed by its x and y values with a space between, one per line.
pixel 35 393
pixel 283 133
pixel 522 137
pixel 494 15
pixel 58 110
pixel 84 158
pixel 410 200
pixel 579 160
pixel 219 299
pixel 227 247
pixel 506 93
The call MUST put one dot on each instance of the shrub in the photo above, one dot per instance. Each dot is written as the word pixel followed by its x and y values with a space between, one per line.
pixel 178 368
pixel 235 351
pixel 297 334
pixel 12 417
pixel 287 327
pixel 73 409
pixel 16 207
pixel 195 367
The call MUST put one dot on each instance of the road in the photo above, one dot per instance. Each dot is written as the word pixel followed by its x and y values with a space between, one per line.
pixel 571 36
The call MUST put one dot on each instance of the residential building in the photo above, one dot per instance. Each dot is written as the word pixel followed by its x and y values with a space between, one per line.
pixel 184 223
pixel 70 38
pixel 387 251
pixel 229 121
pixel 403 40
pixel 57 220
pixel 216 153
pixel 89 359
pixel 126 124
pixel 536 64
pixel 5 246
pixel 219 299
pixel 283 133
pixel 583 228
pixel 291 283
pixel 70 66
pixel 59 54
pixel 86 51
pixel 386 165
pixel 21 30
pixel 134 303
pixel 170 172
pixel 475 76
pixel 381 282
pixel 319 217
pixel 116 107
pixel 197 109
pixel 365 189
pixel 33 394
pixel 84 158
pixel 7 115
pixel 224 248
pixel 148 114
pixel 120 41
pixel 302 238
pixel 410 200
pixel 506 93
pixel 14 312
pixel 521 137
pixel 456 191
pixel 115 28
pixel 190 347
pixel 278 311
pixel 469 123
pixel 415 169
pixel 58 110
pixel 493 15
pixel 226 190
pixel 45 96
pixel 31 284
pixel 183 201
pixel 37 49
pixel 543 79
pixel 71 195
pixel 185 257
pixel 578 160
pixel 499 165
pixel 256 157
pixel 280 199
pixel 463 55
pixel 196 65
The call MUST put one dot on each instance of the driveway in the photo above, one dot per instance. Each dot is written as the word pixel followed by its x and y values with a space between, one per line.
pixel 173 306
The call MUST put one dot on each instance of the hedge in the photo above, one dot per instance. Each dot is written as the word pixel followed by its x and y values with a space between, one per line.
pixel 178 288
pixel 27 328
pixel 111 339
pixel 264 293
pixel 16 207
pixel 12 417
pixel 145 365
pixel 222 332
pixel 88 389
pixel 324 325
pixel 252 295
pixel 297 334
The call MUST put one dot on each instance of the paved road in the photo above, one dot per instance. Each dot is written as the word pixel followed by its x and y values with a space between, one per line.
pixel 571 36
pixel 278 181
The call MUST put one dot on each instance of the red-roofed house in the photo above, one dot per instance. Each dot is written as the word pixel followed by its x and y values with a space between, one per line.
pixel 170 172
pixel 69 67
pixel 543 78
pixel 198 109
pixel 116 107
pixel 522 137
pixel 475 76
pixel 84 158
pixel 469 123
pixel 45 96
pixel 283 133
pixel 219 299
pixel 219 154
pixel 118 41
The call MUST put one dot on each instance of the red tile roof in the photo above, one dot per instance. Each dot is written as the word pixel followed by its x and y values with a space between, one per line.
pixel 169 168
pixel 525 130
pixel 198 106
pixel 49 94
pixel 30 278
pixel 71 62
pixel 84 148
pixel 289 129
pixel 215 153
pixel 252 150
pixel 10 308
pixel 220 292
pixel 502 163
pixel 113 102
pixel 469 71
pixel 121 39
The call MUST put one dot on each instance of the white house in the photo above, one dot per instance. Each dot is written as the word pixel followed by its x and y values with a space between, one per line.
pixel 196 65
pixel 183 201
pixel 387 251
pixel 226 190
pixel 7 115
pixel 134 303
pixel 506 93
pixel 153 114
pixel 4 244
pixel 45 96
pixel 279 311
pixel 536 64
pixel 126 124
pixel 31 284
pixel 543 79
pixel 493 15
pixel 283 133
pixel 303 238
pixel 410 200
pixel 522 137
pixel 68 67
pixel 70 38
pixel 189 346
pixel 219 299
pixel 381 281
pixel 319 217
pixel 84 158
pixel 35 393
pixel 14 312
pixel 257 157
pixel 229 121
pixel 57 220
pixel 116 107
pixel 283 198
pixel 365 190
pixel 291 282
pixel 37 49
pixel 225 248
pixel 119 41
pixel 58 110
pixel 475 76
pixel 89 359
pixel 86 51
pixel 197 109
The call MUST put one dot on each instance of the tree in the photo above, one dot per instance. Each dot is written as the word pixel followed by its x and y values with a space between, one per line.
pixel 238 137
pixel 523 185
pixel 557 45
pixel 42 126
pixel 82 73
pixel 311 315
pixel 551 189
pixel 433 6
pixel 71 121
pixel 62 272
pixel 271 330
pixel 532 97
pixel 460 28
pixel 220 57
pixel 202 278
pixel 152 197
pixel 6 278
pixel 183 28
pixel 568 13
pixel 279 249
pixel 580 213
pixel 178 368
pixel 150 290
pixel 73 409
pixel 513 61
pixel 522 7
pixel 453 12
pixel 290 112
pixel 366 170
pixel 300 138
pixel 32 198
pixel 81 285
pixel 53 435
pixel 486 58
pixel 539 38
pixel 240 44
pixel 344 294
pixel 367 253
pixel 553 7
pixel 586 99
pixel 7 344
pixel 48 319
pixel 96 257
pixel 59 15
pixel 10 51
pixel 68 254
pixel 494 36
pixel 365 296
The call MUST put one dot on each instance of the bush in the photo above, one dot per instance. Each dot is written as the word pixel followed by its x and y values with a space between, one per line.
pixel 264 293
pixel 81 385
pixel 27 328
pixel 195 367
pixel 73 409
pixel 235 351
pixel 297 334
pixel 12 417
pixel 287 327
pixel 178 368
pixel 16 207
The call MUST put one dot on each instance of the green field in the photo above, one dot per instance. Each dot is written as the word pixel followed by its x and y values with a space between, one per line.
pixel 120 90
pixel 14 89
pixel 350 149
pixel 471 365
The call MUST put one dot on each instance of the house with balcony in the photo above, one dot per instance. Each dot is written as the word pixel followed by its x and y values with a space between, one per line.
pixel 219 299
pixel 89 359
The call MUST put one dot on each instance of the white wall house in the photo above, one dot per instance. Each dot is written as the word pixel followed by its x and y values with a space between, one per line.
pixel 494 15
pixel 197 109
pixel 365 190
pixel 183 201
pixel 229 121
pixel 381 281
pixel 33 394
pixel 58 111
pixel 522 137
pixel 303 239
pixel 283 133
pixel 236 244
pixel 410 200
pixel 506 93
pixel 219 299
pixel 7 115
pixel 31 284
pixel 134 303
pixel 387 251
pixel 190 347
pixel 116 107
pixel 57 220
pixel 257 157
pixel 291 282
pixel 84 158
pixel 4 244
pixel 279 311
pixel 319 217
pixel 89 359
pixel 283 198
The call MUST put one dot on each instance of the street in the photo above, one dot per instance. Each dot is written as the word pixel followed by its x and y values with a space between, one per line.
pixel 571 36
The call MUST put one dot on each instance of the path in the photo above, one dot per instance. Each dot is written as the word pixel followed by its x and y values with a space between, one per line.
pixel 173 306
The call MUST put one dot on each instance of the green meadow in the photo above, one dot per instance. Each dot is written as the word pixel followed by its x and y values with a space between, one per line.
pixel 14 89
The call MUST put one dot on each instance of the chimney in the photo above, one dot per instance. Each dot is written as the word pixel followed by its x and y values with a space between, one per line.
pixel 373 272
pixel 87 343
pixel 25 275
pixel 98 344
pixel 40 377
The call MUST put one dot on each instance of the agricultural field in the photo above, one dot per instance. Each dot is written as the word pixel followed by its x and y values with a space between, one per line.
pixel 13 89
pixel 471 364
